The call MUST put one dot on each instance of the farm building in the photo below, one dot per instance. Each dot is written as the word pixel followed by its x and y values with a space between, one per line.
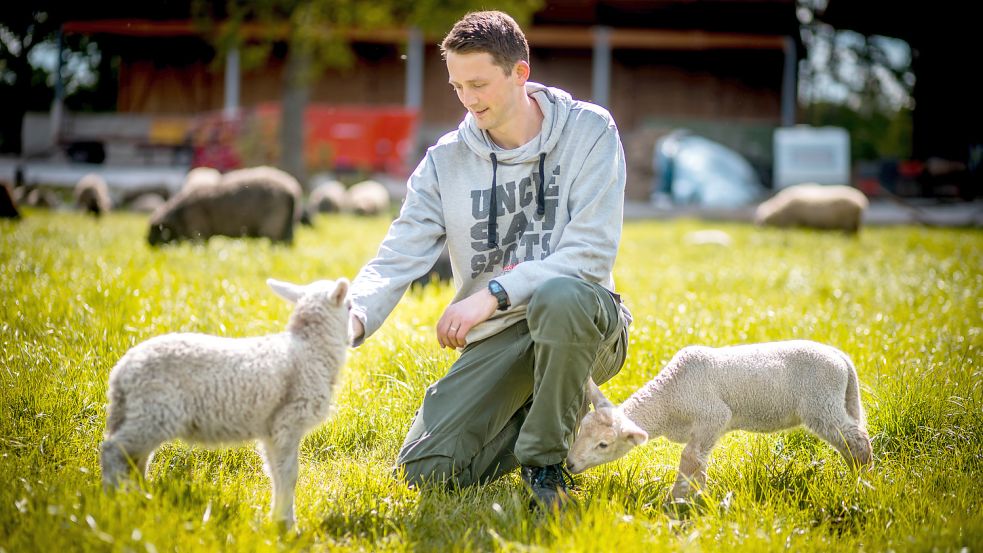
pixel 726 69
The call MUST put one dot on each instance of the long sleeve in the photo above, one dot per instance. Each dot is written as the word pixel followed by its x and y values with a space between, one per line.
pixel 412 245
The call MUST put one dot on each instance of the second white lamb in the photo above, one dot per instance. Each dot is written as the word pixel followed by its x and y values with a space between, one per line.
pixel 706 392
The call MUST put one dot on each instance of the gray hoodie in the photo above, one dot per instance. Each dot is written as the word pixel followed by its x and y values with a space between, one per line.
pixel 500 218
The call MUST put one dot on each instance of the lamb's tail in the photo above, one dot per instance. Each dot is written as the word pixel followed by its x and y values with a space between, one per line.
pixel 852 400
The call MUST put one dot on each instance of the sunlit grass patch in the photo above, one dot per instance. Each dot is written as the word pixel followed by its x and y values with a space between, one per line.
pixel 904 302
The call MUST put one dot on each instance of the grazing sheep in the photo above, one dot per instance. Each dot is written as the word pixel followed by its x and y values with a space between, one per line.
pixel 39 197
pixel 257 202
pixel 266 174
pixel 201 176
pixel 214 390
pixel 705 392
pixel 368 198
pixel 146 203
pixel 8 204
pixel 92 195
pixel 328 197
pixel 832 207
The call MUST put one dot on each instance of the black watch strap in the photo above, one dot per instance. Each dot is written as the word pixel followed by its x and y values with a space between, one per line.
pixel 496 290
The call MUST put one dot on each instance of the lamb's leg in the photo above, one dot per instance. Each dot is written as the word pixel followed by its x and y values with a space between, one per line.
pixel 143 463
pixel 132 445
pixel 843 432
pixel 281 454
pixel 114 463
pixel 693 465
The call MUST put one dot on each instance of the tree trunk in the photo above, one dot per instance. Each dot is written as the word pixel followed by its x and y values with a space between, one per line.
pixel 296 90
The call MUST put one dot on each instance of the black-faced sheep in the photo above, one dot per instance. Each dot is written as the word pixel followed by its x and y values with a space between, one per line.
pixel 257 202
pixel 146 203
pixel 8 204
pixel 92 195
pixel 328 197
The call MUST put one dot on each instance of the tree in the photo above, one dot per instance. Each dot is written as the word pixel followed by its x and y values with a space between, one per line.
pixel 23 27
pixel 862 83
pixel 314 33
pixel 865 72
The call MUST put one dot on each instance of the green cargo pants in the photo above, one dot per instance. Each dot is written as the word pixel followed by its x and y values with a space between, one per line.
pixel 517 397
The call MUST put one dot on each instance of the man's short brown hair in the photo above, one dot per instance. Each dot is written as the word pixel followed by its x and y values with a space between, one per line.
pixel 491 32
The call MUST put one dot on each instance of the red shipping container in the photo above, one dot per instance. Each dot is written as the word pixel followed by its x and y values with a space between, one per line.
pixel 365 138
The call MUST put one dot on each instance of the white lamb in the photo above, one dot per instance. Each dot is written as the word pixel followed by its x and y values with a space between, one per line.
pixel 705 392
pixel 214 390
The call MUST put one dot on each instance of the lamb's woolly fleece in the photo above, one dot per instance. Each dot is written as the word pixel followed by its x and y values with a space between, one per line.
pixel 215 390
pixel 705 392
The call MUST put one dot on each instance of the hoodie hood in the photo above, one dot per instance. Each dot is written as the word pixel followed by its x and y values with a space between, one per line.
pixel 554 103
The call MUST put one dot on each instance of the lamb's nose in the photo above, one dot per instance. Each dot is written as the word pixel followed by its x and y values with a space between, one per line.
pixel 570 466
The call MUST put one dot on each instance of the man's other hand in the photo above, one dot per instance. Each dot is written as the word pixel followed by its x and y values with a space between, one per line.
pixel 459 318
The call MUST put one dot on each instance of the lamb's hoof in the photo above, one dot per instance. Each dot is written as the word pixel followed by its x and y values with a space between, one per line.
pixel 684 507
pixel 285 526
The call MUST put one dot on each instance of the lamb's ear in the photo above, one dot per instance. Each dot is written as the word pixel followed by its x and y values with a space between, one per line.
pixel 285 290
pixel 597 399
pixel 633 433
pixel 340 291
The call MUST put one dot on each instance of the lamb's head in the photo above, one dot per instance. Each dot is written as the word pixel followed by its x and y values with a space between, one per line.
pixel 605 434
pixel 320 304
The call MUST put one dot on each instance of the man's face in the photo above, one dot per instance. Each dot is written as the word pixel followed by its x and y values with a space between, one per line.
pixel 484 89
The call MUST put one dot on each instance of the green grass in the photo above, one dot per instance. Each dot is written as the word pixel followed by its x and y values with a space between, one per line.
pixel 904 302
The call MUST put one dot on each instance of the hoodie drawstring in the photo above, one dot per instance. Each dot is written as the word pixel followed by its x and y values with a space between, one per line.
pixel 493 208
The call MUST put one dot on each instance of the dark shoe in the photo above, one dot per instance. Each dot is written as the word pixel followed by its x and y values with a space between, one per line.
pixel 548 485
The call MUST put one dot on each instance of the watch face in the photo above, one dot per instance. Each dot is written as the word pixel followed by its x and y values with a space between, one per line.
pixel 496 289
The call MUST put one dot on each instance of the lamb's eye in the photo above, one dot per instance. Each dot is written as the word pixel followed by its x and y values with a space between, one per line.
pixel 602 445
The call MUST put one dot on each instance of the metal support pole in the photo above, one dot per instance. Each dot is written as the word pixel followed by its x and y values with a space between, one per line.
pixel 414 69
pixel 601 82
pixel 232 81
pixel 58 104
pixel 789 80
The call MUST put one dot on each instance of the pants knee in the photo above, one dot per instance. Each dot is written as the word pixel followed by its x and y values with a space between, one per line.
pixel 436 471
pixel 561 296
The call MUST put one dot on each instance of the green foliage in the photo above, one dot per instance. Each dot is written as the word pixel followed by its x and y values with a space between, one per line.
pixel 438 16
pixel 903 302
pixel 875 134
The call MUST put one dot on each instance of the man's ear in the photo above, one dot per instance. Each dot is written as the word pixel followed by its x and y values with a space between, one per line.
pixel 522 71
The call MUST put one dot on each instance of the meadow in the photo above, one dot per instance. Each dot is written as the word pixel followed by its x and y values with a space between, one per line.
pixel 906 303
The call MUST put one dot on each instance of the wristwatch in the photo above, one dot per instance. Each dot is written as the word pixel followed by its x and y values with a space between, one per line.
pixel 496 290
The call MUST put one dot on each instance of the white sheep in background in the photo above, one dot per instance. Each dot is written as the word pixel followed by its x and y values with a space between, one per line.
pixel 92 195
pixel 706 392
pixel 328 196
pixel 831 207
pixel 215 390
pixel 368 198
